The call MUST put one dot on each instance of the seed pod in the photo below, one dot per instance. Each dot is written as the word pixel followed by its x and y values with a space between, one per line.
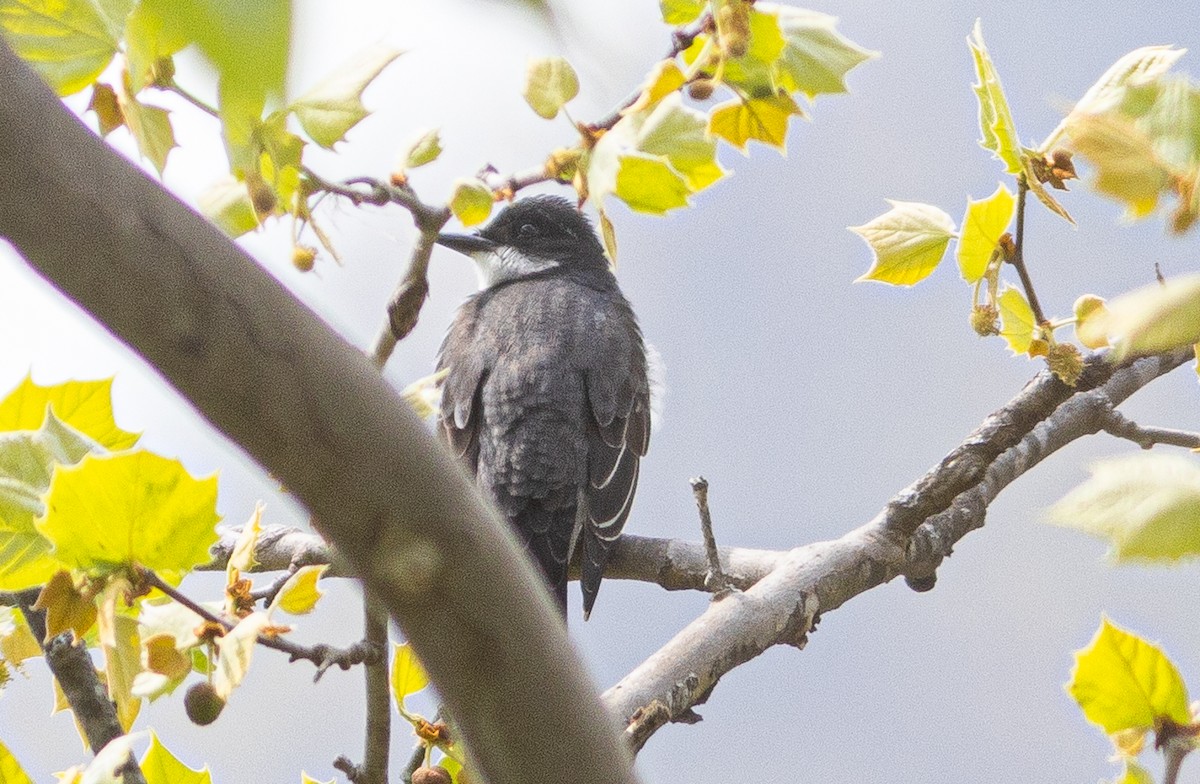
pixel 435 775
pixel 202 703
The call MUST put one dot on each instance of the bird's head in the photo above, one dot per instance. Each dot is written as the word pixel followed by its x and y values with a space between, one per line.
pixel 530 236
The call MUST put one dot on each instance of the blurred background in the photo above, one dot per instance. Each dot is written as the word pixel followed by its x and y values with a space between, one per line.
pixel 805 399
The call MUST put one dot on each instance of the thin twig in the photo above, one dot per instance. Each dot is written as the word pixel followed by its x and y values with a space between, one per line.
pixel 1018 259
pixel 415 760
pixel 716 580
pixel 404 306
pixel 1121 426
pixel 374 768
pixel 173 87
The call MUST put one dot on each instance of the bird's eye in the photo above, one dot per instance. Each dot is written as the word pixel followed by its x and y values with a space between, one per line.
pixel 528 230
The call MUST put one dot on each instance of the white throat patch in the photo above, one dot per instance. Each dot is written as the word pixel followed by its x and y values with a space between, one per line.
pixel 504 264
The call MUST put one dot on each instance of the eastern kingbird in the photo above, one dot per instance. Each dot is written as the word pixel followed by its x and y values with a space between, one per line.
pixel 547 398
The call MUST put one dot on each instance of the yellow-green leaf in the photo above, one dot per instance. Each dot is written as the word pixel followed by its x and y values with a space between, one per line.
pixel 122 663
pixel 985 221
pixel 665 78
pixel 1154 318
pixel 680 12
pixel 130 508
pixel 300 592
pixel 995 118
pixel 1091 321
pixel 908 241
pixel 334 105
pixel 1146 506
pixel 69 42
pixel 680 134
pixel 471 202
pixel 17 642
pixel 84 405
pixel 164 667
pixel 424 148
pixel 1017 323
pixel 1134 774
pixel 160 766
pixel 425 394
pixel 761 119
pixel 756 73
pixel 1127 167
pixel 242 558
pixel 1124 682
pixel 235 649
pixel 815 57
pixel 148 40
pixel 408 676
pixel 550 82
pixel 150 127
pixel 227 203
pixel 11 771
pixel 307 779
pixel 609 233
pixel 650 185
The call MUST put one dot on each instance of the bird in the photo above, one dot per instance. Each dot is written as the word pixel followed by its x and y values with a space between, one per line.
pixel 546 397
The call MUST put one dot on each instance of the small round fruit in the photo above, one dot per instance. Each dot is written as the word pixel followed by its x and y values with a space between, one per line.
pixel 701 89
pixel 202 703
pixel 304 257
pixel 435 775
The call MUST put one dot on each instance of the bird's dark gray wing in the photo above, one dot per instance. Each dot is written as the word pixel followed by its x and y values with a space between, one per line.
pixel 459 415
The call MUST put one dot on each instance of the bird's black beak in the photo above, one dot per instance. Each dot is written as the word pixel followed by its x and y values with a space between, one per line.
pixel 465 244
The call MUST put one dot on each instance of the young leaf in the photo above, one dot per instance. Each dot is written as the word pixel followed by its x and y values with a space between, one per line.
pixel 235 649
pixel 131 508
pixel 1091 321
pixel 995 118
pixel 680 12
pixel 650 185
pixel 1123 682
pixel 756 73
pixel 17 642
pixel 110 761
pixel 680 134
pixel 1134 774
pixel 147 41
pixel 242 558
pixel 69 42
pixel 985 221
pixel 84 405
pixel 761 119
pixel 122 663
pixel 1154 318
pixel 908 241
pixel 815 56
pixel 66 608
pixel 1127 167
pixel 408 676
pixel 550 82
pixel 11 771
pixel 425 394
pixel 424 148
pixel 300 592
pixel 334 105
pixel 307 779
pixel 163 668
pixel 471 202
pixel 1016 320
pixel 150 127
pixel 664 79
pixel 1147 506
pixel 160 766
pixel 227 203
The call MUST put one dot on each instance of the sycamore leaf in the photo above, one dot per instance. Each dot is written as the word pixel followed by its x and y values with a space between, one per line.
pixel 1154 318
pixel 163 668
pixel 1124 682
pixel 160 766
pixel 334 105
pixel 550 82
pixel 300 592
pixel 227 203
pixel 908 241
pixel 408 676
pixel 122 663
pixel 84 405
pixel 985 221
pixel 680 12
pixel 17 642
pixel 1134 774
pixel 425 394
pixel 609 233
pixel 11 771
pixel 471 202
pixel 761 119
pixel 107 106
pixel 1017 323
pixel 756 73
pixel 815 57
pixel 995 118
pixel 1146 506
pixel 665 78
pixel 130 508
pixel 453 767
pixel 424 148
pixel 68 42
pixel 242 558
pixel 66 608
pixel 147 41
pixel 235 649
pixel 149 125
pixel 680 135
pixel 1127 167
pixel 1091 321
pixel 307 779
pixel 650 185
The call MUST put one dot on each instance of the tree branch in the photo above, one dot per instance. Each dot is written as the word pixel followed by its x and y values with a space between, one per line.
pixel 316 414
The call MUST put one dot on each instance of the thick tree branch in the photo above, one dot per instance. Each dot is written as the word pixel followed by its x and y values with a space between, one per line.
pixel 818 578
pixel 316 414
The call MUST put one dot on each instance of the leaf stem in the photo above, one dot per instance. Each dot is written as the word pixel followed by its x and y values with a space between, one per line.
pixel 1018 258
pixel 185 95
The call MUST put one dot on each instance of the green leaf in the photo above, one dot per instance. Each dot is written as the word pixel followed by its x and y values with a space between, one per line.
pixel 1123 682
pixel 908 241
pixel 680 134
pixel 1134 774
pixel 424 148
pixel 1091 321
pixel 665 78
pixel 756 73
pixel 122 663
pixel 227 203
pixel 1017 323
pixel 1154 318
pixel 985 221
pixel 815 57
pixel 150 127
pixel 148 39
pixel 11 771
pixel 761 119
pixel 1146 506
pixel 300 592
pixel 408 676
pixel 1127 167
pixel 17 642
pixel 160 766
pixel 471 202
pixel 131 508
pixel 235 650
pixel 69 42
pixel 550 82
pixel 995 118
pixel 650 185
pixel 27 462
pixel 334 105
pixel 680 12
pixel 85 406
